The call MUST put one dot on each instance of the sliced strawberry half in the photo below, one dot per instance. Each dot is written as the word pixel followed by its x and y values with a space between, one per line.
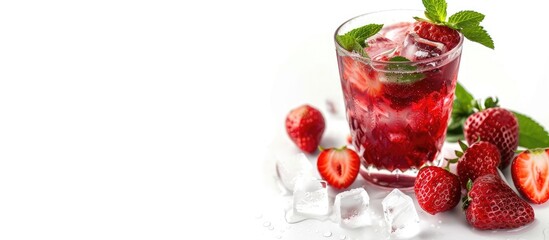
pixel 530 171
pixel 361 76
pixel 338 166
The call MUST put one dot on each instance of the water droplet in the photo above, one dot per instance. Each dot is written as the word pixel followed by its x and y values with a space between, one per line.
pixel 258 216
pixel 316 230
pixel 266 224
pixel 432 225
pixel 327 234
pixel 278 237
pixel 439 221
pixel 342 237
pixel 271 228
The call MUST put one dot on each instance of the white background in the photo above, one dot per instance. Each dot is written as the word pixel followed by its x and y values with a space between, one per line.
pixel 151 119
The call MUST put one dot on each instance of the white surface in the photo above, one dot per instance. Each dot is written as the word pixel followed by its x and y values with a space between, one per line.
pixel 119 119
pixel 272 205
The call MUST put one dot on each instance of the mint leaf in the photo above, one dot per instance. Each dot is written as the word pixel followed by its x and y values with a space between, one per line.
pixel 479 35
pixel 408 76
pixel 399 59
pixel 464 19
pixel 531 133
pixel 461 109
pixel 346 41
pixel 435 10
pixel 421 19
pixel 355 39
pixel 357 47
pixel 364 32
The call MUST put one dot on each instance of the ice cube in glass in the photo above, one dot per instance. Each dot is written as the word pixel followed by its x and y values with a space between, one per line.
pixel 416 48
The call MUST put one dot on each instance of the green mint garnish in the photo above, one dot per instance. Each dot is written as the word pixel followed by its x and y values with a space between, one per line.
pixel 355 40
pixel 531 133
pixel 403 65
pixel 466 22
pixel 478 34
pixel 435 10
pixel 465 19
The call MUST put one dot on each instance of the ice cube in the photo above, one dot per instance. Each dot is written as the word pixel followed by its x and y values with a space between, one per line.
pixel 380 46
pixel 416 48
pixel 351 207
pixel 400 214
pixel 290 168
pixel 311 197
pixel 396 32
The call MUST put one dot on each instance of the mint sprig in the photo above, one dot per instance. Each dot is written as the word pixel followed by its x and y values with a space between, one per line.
pixel 355 40
pixel 400 64
pixel 467 22
pixel 531 133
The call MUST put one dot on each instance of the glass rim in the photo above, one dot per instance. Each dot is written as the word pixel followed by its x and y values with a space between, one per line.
pixel 457 48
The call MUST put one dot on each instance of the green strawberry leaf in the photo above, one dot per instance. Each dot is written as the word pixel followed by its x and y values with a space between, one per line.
pixel 479 35
pixel 355 40
pixel 461 109
pixel 435 10
pixel 531 133
pixel 464 19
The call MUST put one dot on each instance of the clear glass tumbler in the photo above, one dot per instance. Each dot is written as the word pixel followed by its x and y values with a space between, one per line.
pixel 398 112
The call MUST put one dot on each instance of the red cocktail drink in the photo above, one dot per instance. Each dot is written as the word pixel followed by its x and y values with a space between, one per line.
pixel 398 97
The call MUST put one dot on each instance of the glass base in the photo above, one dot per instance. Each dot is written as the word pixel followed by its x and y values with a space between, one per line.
pixel 394 179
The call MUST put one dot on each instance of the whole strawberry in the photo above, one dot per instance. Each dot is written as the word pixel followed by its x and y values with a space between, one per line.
pixel 477 160
pixel 497 126
pixel 491 204
pixel 437 189
pixel 305 126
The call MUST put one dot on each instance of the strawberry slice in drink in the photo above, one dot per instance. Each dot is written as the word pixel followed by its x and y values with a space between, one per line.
pixel 360 76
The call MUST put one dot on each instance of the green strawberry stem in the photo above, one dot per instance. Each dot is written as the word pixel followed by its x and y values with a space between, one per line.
pixel 449 162
pixel 337 149
pixel 467 199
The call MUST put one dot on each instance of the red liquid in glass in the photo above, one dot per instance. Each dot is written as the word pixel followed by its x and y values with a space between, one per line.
pixel 398 125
